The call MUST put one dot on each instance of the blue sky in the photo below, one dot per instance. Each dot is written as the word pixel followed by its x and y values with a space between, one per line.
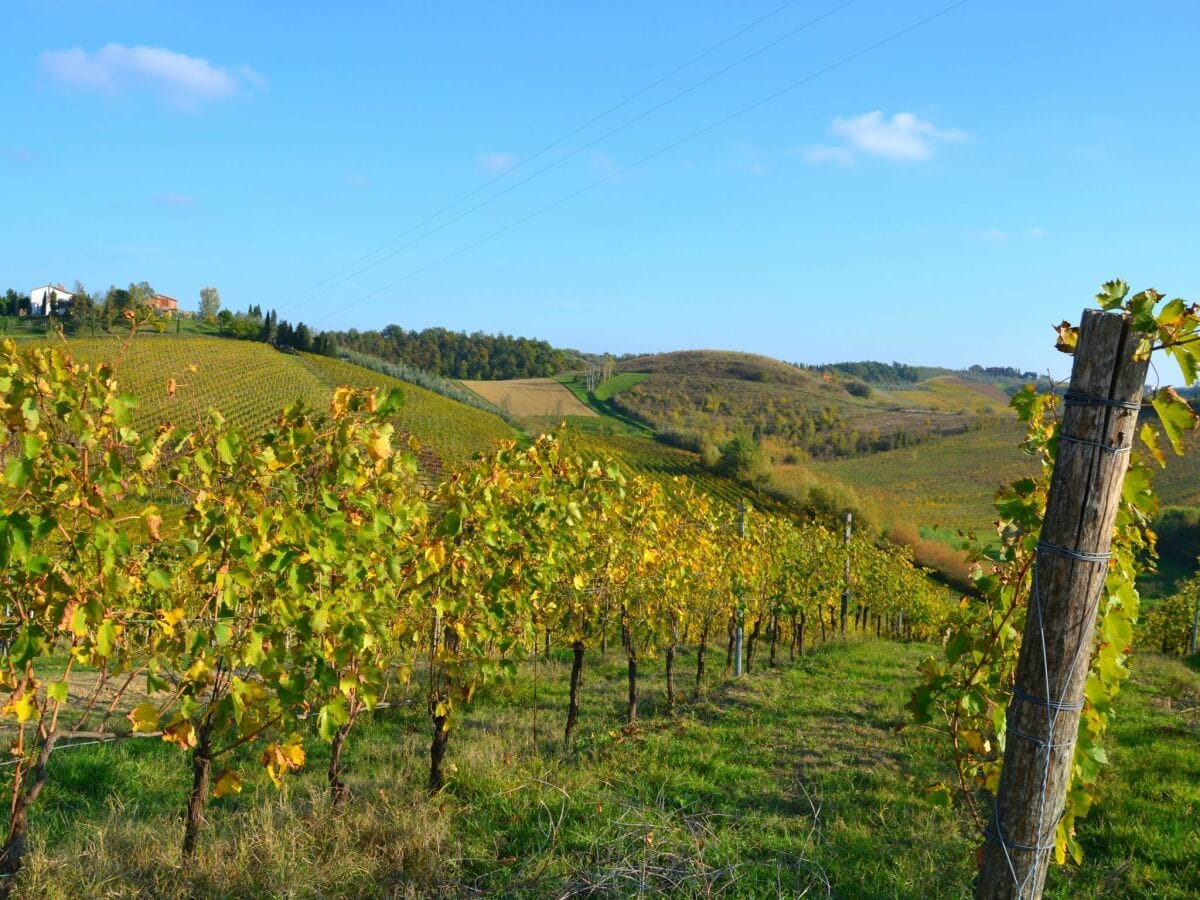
pixel 942 198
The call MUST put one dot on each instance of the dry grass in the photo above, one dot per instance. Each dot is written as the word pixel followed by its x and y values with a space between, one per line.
pixel 531 397
pixel 934 554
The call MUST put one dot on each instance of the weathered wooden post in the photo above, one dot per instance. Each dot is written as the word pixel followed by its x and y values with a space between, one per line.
pixel 1096 432
pixel 846 587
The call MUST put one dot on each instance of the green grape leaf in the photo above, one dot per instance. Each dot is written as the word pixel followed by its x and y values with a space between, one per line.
pixel 1175 416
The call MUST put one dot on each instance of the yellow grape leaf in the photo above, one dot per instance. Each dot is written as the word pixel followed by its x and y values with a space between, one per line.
pixel 976 741
pixel 380 444
pixel 279 759
pixel 1068 337
pixel 340 400
pixel 1175 416
pixel 172 616
pixel 293 750
pixel 227 783
pixel 1149 436
pixel 180 733
pixel 22 707
pixel 435 554
pixel 143 717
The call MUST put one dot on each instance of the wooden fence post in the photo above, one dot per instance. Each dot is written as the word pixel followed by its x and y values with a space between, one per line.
pixel 1097 429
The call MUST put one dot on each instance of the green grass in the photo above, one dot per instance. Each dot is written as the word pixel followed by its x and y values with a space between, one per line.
pixel 1143 839
pixel 788 780
pixel 604 406
pixel 622 381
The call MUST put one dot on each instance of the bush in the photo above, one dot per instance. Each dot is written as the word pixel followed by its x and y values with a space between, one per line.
pixel 741 458
pixel 858 389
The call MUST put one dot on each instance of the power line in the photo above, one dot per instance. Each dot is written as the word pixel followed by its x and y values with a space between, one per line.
pixel 574 153
pixel 654 155
pixel 548 147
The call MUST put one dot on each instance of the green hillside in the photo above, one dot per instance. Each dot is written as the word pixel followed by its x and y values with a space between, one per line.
pixel 705 396
pixel 250 383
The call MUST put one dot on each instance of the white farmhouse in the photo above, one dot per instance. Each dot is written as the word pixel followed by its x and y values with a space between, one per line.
pixel 40 298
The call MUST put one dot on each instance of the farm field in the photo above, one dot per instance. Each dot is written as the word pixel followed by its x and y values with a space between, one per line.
pixel 529 397
pixel 785 781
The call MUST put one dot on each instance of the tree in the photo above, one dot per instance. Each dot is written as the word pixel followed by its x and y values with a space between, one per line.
pixel 140 294
pixel 741 458
pixel 11 304
pixel 210 303
pixel 117 301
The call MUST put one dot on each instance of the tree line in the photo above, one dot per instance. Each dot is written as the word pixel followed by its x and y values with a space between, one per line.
pixel 456 354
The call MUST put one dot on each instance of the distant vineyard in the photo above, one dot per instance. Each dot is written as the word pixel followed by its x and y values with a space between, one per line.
pixel 249 383
pixel 663 464
pixel 454 431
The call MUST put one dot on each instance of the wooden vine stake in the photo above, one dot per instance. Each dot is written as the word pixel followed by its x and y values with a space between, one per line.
pixel 1097 429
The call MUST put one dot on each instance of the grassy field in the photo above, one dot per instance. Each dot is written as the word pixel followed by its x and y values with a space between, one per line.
pixel 528 397
pixel 622 381
pixel 788 782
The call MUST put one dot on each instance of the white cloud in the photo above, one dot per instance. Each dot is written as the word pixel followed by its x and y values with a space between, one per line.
pixel 496 162
pixel 1037 232
pixel 175 199
pixel 995 234
pixel 816 154
pixel 902 137
pixel 179 79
